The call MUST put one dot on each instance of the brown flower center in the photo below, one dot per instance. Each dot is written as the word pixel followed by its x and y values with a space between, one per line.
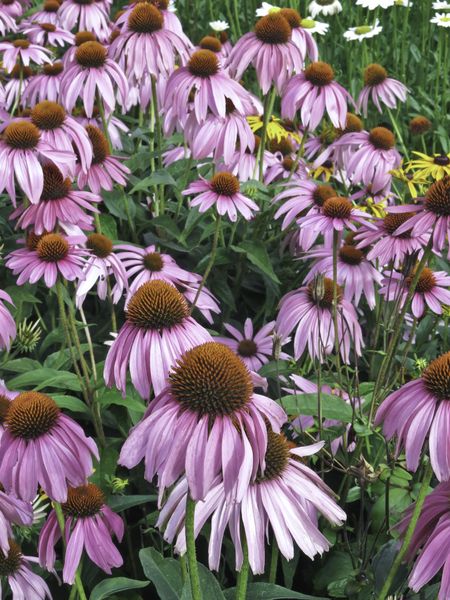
pixel 225 184
pixel 24 44
pixel 55 186
pixel 292 17
pixel 319 73
pixel 83 501
pixel 437 377
pixel 100 245
pixel 420 125
pixel 353 124
pixel 322 294
pixel 203 63
pixel 337 208
pixel 32 240
pixel 442 160
pixel 31 414
pixel 283 145
pixel 145 18
pixel 18 69
pixel 247 348
pixel 273 29
pixel 426 282
pixel 22 135
pixel 100 147
pixel 323 193
pixel 210 43
pixel 91 55
pixel 4 407
pixel 288 164
pixel 52 247
pixel 351 255
pixel 153 261
pixel 51 6
pixel 392 222
pixel 211 379
pixel 374 74
pixel 53 70
pixel 48 115
pixel 48 27
pixel 10 563
pixel 437 199
pixel 382 138
pixel 277 456
pixel 157 305
pixel 84 36
pixel 84 2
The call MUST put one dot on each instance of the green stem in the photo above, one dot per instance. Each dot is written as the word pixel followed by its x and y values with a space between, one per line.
pixel 409 533
pixel 268 107
pixel 62 526
pixel 210 263
pixel 158 138
pixel 398 133
pixel 242 582
pixel 273 562
pixel 101 109
pixel 194 577
pixel 335 306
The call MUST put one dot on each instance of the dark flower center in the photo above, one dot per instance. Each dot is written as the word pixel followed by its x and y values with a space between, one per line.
pixel 84 36
pixel 437 377
pixel 31 414
pixel 84 2
pixel 83 501
pixel 322 293
pixel 4 407
pixel 18 69
pixel 277 456
pixel 210 43
pixel 288 164
pixel 353 124
pixel 426 282
pixel 419 125
pixel 48 115
pixel 351 255
pixel 24 44
pixel 91 55
pixel 145 18
pixel 55 186
pixel 223 37
pixel 53 70
pixel 292 17
pixel 32 240
pixel 283 145
pixel 52 247
pixel 337 208
pixel 51 6
pixel 225 184
pixel 7 2
pixel 161 4
pixel 211 379
pixel 437 199
pixel 10 563
pixel 157 305
pixel 442 160
pixel 100 245
pixel 323 193
pixel 153 261
pixel 22 135
pixel 382 138
pixel 273 29
pixel 203 63
pixel 392 222
pixel 374 74
pixel 100 147
pixel 247 348
pixel 48 27
pixel 114 35
pixel 319 73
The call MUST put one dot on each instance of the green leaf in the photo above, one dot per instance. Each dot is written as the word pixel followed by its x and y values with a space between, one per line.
pixel 164 573
pixel 115 397
pixel 109 226
pixel 157 178
pixel 270 591
pixel 333 407
pixel 257 254
pixel 45 377
pixel 209 585
pixel 108 587
pixel 71 403
pixel 21 365
pixel 119 503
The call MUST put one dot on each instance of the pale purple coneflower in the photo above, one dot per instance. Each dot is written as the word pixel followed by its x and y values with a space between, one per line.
pixel 309 310
pixel 116 128
pixel 85 15
pixel 15 567
pixel 42 446
pixel 13 8
pixel 21 151
pixel 323 146
pixel 211 42
pixel 271 51
pixel 287 167
pixel 219 420
pixel 48 34
pixel 158 329
pixel 53 254
pixel 89 525
pixel 24 52
pixel 223 192
pixel 283 499
pixel 101 264
pixel 81 37
pixel 105 170
pixel 300 35
pixel 12 510
pixel 7 324
pixel 45 85
pixel 93 74
pixel 7 23
pixel 59 205
pixel 431 290
pixel 175 154
pixel 15 87
pixel 5 398
pixel 381 89
pixel 47 14
pixel 245 166
pixel 314 92
pixel 301 197
pixel 171 21
pixel 421 408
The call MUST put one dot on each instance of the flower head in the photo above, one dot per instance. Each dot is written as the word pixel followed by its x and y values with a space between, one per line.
pixel 7 323
pixel 324 7
pixel 24 52
pixel 436 166
pixel 12 511
pixel 363 31
pixel 16 568
pixel 45 85
pixel 441 20
pixel 85 15
pixel 219 25
pixel 381 88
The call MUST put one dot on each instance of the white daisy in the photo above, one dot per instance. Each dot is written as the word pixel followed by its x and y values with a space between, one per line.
pixel 363 31
pixel 441 19
pixel 372 4
pixel 172 8
pixel 404 3
pixel 219 25
pixel 440 5
pixel 314 26
pixel 324 7
pixel 265 9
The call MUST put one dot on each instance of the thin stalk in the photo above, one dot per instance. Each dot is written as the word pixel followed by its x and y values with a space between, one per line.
pixel 210 265
pixel 101 110
pixel 242 582
pixel 273 562
pixel 62 526
pixel 335 307
pixel 194 577
pixel 398 133
pixel 269 101
pixel 158 138
pixel 19 93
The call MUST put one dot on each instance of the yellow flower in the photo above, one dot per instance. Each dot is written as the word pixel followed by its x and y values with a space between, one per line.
pixel 324 171
pixel 374 208
pixel 275 129
pixel 436 166
pixel 411 180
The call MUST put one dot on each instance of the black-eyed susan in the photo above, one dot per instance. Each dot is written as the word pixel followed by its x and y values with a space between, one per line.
pixel 436 166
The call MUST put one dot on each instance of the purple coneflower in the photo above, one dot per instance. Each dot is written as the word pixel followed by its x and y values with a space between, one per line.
pixel 380 87
pixel 431 290
pixel 301 197
pixel 23 582
pixel 13 8
pixel 5 398
pixel 419 408
pixel 158 329
pixel 171 21
pixel 59 205
pixel 220 423
pixel 310 310
pixel 221 191
pixel 85 15
pixel 99 267
pixel 21 148
pixel 270 49
pixel 52 254
pixel 7 324
pixel 42 446
pixel 283 499
pixel 7 23
pixel 286 168
pixel 45 85
pixel 89 524
pixel 48 34
pixel 245 166
pixel 115 126
pixel 105 170
pixel 48 13
pixel 313 92
pixel 81 37
pixel 24 52
pixel 15 87
pixel 211 42
pixel 93 73
pixel 12 510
